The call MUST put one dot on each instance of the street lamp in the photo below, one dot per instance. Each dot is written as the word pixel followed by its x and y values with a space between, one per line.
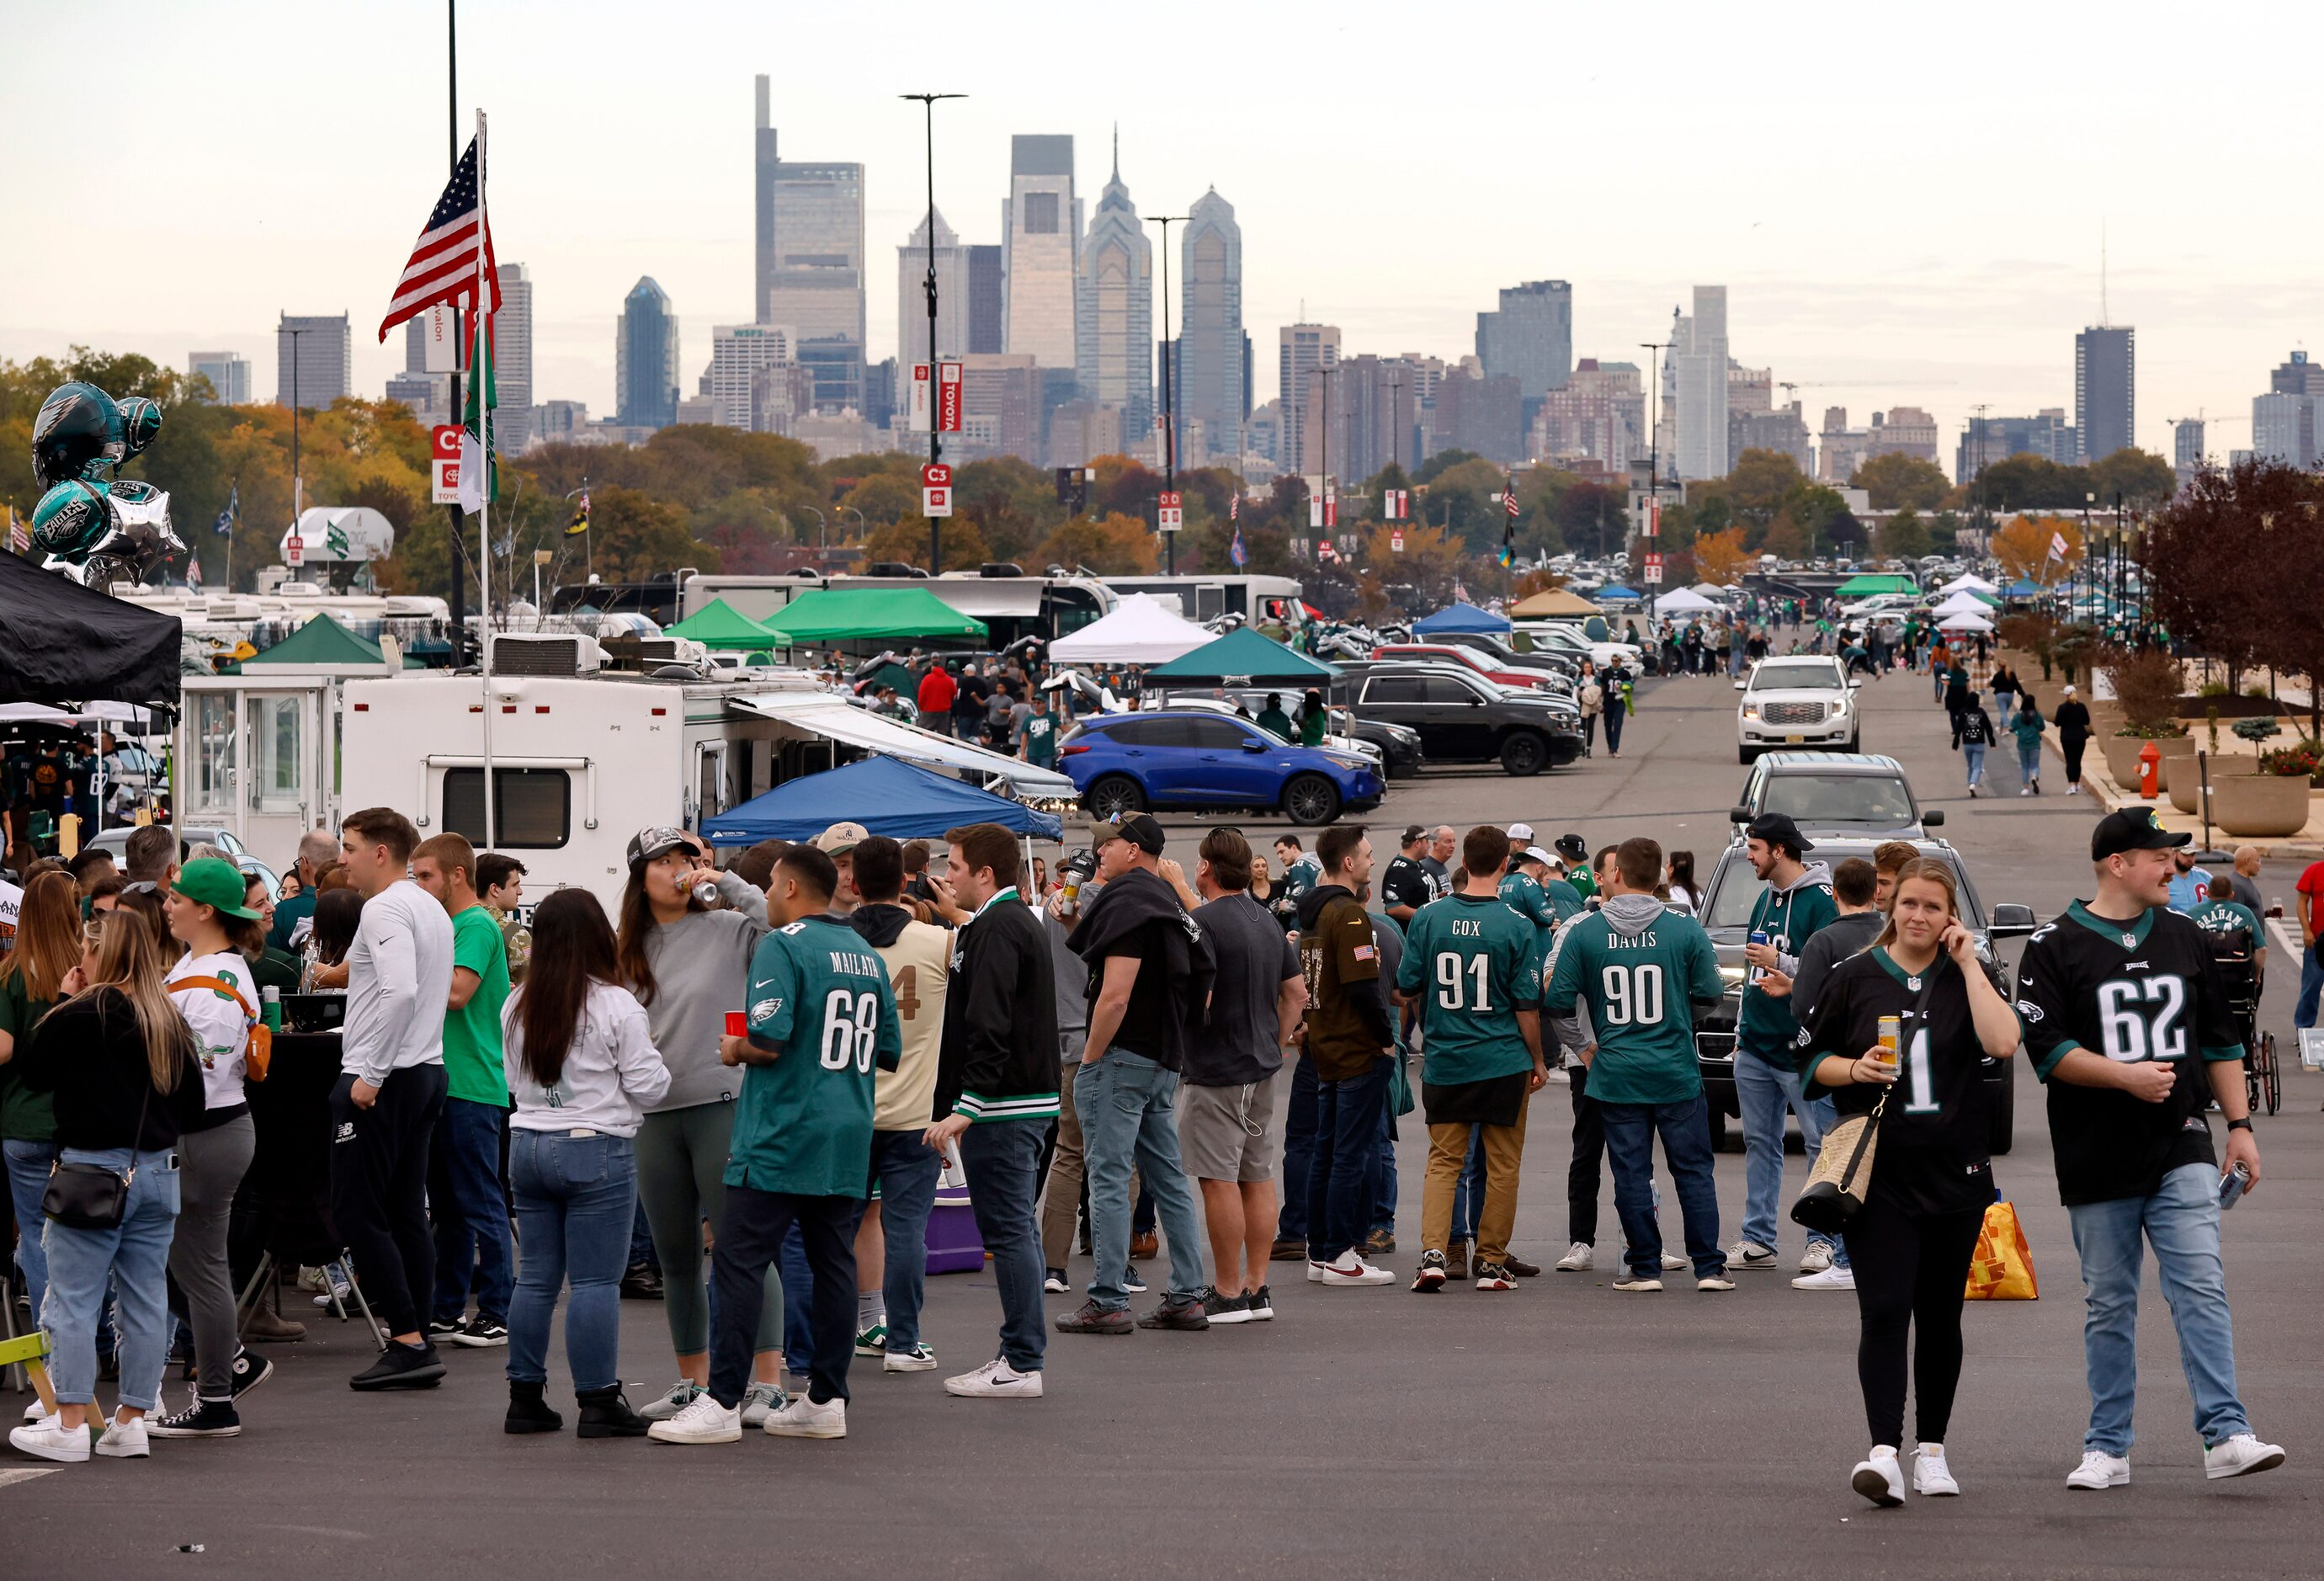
pixel 819 526
pixel 928 102
pixel 297 499
pixel 1654 348
pixel 1169 410
pixel 864 529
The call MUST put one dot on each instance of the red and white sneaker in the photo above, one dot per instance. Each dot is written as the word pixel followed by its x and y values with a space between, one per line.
pixel 1346 1271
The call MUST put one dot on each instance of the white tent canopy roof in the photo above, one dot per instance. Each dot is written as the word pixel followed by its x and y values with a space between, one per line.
pixel 1685 601
pixel 1965 623
pixel 1142 631
pixel 837 719
pixel 1962 602
pixel 1969 581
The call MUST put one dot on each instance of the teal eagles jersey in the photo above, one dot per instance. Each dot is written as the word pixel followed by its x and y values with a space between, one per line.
pixel 2225 917
pixel 820 1001
pixel 1472 963
pixel 1637 987
pixel 1788 918
pixel 1522 895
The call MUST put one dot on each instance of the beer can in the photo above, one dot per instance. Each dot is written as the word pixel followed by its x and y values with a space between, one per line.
pixel 1892 1031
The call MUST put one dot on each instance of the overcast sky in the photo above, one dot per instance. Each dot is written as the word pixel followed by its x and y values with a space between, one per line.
pixel 1906 205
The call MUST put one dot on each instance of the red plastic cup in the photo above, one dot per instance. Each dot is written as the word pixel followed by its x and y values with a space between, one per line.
pixel 738 1025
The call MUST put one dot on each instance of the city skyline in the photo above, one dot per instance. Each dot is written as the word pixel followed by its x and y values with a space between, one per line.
pixel 1886 300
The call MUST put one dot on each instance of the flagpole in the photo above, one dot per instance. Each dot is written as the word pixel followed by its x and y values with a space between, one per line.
pixel 480 369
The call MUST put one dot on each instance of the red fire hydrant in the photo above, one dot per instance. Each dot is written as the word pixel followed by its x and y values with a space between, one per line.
pixel 2149 760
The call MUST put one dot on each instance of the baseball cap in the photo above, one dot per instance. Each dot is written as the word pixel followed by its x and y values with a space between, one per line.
pixel 1140 829
pixel 215 883
pixel 1414 832
pixel 2133 828
pixel 659 840
pixel 1535 854
pixel 1572 849
pixel 1521 834
pixel 841 838
pixel 1777 829
pixel 1079 864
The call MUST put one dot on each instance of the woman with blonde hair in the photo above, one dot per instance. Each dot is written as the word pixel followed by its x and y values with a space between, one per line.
pixel 119 1061
pixel 48 948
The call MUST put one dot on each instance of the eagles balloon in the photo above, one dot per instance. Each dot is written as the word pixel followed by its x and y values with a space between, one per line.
pixel 98 529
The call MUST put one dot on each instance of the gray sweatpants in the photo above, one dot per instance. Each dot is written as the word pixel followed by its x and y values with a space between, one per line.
pixel 681 1157
pixel 214 1163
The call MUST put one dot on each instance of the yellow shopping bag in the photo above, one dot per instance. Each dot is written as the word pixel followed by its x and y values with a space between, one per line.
pixel 2002 1266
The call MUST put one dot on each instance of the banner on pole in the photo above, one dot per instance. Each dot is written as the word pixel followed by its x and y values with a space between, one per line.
pixel 935 489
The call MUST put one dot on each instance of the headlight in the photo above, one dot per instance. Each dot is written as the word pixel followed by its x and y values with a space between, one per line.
pixel 1750 713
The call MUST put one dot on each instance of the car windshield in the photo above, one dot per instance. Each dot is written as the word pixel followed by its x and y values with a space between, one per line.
pixel 1840 798
pixel 1774 676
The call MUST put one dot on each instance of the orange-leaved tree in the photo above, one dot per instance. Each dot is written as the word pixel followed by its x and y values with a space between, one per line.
pixel 1721 558
pixel 2042 549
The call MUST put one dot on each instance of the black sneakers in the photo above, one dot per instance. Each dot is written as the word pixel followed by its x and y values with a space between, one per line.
pixel 1495 1276
pixel 480 1331
pixel 1261 1303
pixel 401 1366
pixel 1187 1313
pixel 1429 1278
pixel 1220 1308
pixel 205 1418
pixel 250 1370
pixel 1092 1319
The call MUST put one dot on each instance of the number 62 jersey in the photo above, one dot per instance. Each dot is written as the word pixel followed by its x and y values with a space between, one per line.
pixel 820 1001
pixel 2144 990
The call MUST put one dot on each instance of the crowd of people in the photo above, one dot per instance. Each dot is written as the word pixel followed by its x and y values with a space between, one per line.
pixel 774 1064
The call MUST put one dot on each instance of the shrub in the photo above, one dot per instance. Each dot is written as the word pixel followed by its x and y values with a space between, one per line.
pixel 2303 759
pixel 2146 684
pixel 2257 729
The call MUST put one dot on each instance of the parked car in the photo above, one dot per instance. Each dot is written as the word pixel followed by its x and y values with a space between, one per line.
pixel 1197 760
pixel 1800 700
pixel 1725 912
pixel 1485 664
pixel 116 840
pixel 1845 794
pixel 1566 637
pixel 1343 736
pixel 1463 717
pixel 1561 664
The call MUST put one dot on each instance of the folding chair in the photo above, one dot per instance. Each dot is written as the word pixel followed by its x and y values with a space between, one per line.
pixel 29 1353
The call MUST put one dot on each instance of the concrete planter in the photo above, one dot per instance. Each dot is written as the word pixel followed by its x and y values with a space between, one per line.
pixel 2187 785
pixel 2261 806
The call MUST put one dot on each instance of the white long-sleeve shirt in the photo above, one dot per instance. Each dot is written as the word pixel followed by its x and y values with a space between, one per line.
pixel 399 983
pixel 611 1073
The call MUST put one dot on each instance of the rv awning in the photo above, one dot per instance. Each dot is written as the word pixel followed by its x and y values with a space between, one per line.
pixel 824 614
pixel 900 800
pixel 837 719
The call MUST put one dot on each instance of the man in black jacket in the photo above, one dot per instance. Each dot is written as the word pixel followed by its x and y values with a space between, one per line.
pixel 2073 721
pixel 997 1090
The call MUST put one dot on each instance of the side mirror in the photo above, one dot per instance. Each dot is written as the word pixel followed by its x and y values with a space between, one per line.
pixel 2011 921
pixel 1934 819
pixel 1856 686
pixel 1741 815
pixel 1251 745
pixel 1741 684
pixel 1475 701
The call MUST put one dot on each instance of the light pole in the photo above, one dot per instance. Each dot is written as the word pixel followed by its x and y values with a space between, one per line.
pixel 1654 348
pixel 1169 411
pixel 928 102
pixel 297 501
pixel 1324 476
pixel 863 528
pixel 820 525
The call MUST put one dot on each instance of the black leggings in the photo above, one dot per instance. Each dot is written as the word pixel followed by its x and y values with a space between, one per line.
pixel 1911 1271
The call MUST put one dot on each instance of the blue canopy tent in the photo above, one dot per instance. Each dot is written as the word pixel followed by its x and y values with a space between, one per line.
pixel 2024 588
pixel 1606 593
pixel 886 796
pixel 1459 618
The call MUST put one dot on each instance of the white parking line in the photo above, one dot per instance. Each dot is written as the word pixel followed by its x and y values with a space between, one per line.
pixel 2284 936
pixel 26 1473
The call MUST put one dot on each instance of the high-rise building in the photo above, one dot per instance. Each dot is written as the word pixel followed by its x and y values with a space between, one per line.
pixel 810 263
pixel 987 299
pixel 1303 350
pixel 645 358
pixel 228 373
pixel 2106 390
pixel 952 302
pixel 2296 375
pixel 1599 415
pixel 1530 337
pixel 1042 224
pixel 513 362
pixel 2187 448
pixel 1001 406
pixel 1988 439
pixel 762 196
pixel 325 354
pixel 739 353
pixel 1480 413
pixel 1701 360
pixel 1113 309
pixel 1214 371
pixel 1372 418
pixel 1781 430
pixel 2284 428
pixel 1902 430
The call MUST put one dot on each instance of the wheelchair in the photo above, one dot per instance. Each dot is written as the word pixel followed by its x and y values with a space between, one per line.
pixel 2240 968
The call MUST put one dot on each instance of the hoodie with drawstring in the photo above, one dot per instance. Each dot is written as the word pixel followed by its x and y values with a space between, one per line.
pixel 1789 917
pixel 1642 967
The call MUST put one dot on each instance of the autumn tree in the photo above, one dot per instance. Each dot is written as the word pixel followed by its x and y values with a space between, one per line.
pixel 905 542
pixel 2024 549
pixel 2141 478
pixel 2230 566
pixel 1419 576
pixel 1115 545
pixel 1719 558
pixel 1896 481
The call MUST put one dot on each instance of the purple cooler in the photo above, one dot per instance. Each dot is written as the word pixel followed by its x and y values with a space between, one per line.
pixel 954 1244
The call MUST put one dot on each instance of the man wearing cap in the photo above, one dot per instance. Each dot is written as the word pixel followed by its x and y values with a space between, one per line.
pixel 2072 718
pixel 2129 1027
pixel 1797 902
pixel 1150 971
pixel 1407 885
pixel 1574 852
pixel 839 842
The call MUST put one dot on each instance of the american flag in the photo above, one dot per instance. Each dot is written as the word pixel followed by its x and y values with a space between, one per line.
pixel 443 266
pixel 19 541
pixel 1234 507
pixel 1508 494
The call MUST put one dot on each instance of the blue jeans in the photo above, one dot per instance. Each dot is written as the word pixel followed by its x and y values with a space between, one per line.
pixel 1766 1090
pixel 2181 1222
pixel 1630 1131
pixel 134 1254
pixel 1128 1111
pixel 472 1228
pixel 905 1169
pixel 28 1180
pixel 1346 1174
pixel 1974 751
pixel 2312 983
pixel 1384 1172
pixel 1004 1161
pixel 2001 705
pixel 576 1197
pixel 1298 1151
pixel 2029 760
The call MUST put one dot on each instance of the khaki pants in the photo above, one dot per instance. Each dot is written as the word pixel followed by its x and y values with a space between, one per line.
pixel 1448 1150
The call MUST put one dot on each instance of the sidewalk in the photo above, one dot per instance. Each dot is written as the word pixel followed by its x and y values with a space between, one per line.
pixel 2098 783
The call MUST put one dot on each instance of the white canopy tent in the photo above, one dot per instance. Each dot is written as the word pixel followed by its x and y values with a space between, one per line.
pixel 1961 604
pixel 1685 601
pixel 1971 582
pixel 1712 590
pixel 1140 631
pixel 1965 623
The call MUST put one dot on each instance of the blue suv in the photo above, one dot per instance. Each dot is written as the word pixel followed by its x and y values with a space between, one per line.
pixel 1131 762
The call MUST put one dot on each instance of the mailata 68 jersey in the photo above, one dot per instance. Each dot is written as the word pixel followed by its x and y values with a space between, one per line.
pixel 821 1003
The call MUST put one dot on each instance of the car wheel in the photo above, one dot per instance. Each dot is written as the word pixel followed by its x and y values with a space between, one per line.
pixel 1115 796
pixel 1311 798
pixel 1854 743
pixel 1523 753
pixel 1744 754
pixel 2001 1112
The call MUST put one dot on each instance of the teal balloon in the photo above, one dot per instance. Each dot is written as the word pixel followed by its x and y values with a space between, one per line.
pixel 141 423
pixel 71 517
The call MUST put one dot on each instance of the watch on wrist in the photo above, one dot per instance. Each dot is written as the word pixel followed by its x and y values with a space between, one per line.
pixel 2243 1124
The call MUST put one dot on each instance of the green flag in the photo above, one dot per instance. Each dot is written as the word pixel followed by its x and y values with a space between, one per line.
pixel 479 478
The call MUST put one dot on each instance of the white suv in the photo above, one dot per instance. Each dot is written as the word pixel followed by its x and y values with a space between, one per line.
pixel 1801 699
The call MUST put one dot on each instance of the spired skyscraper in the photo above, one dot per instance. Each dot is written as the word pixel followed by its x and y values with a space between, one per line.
pixel 1041 264
pixel 645 358
pixel 809 231
pixel 953 302
pixel 1114 311
pixel 1214 380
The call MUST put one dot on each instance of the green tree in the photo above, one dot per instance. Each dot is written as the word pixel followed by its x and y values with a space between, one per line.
pixel 1898 481
pixel 638 537
pixel 907 541
pixel 1903 536
pixel 2141 478
pixel 2030 483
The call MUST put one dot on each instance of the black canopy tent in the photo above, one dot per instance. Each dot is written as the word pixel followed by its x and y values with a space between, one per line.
pixel 64 644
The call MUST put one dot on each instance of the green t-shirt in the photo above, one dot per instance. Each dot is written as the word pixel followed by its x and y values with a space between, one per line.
pixel 1522 895
pixel 2226 917
pixel 1473 963
pixel 473 1067
pixel 1041 739
pixel 26 1115
pixel 1768 1024
pixel 1582 883
pixel 1637 987
pixel 820 1001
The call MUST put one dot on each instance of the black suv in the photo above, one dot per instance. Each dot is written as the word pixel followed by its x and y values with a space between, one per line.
pixel 1462 718
pixel 1728 897
pixel 1497 648
pixel 1847 793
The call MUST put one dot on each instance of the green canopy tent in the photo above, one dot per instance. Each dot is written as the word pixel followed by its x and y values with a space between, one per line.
pixel 1870 586
pixel 1242 658
pixel 719 624
pixel 868 615
pixel 321 646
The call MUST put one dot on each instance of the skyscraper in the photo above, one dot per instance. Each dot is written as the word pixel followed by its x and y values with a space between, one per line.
pixel 228 373
pixel 513 362
pixel 987 299
pixel 2187 448
pixel 1702 386
pixel 2106 395
pixel 952 300
pixel 645 358
pixel 326 360
pixel 763 197
pixel 1040 267
pixel 810 261
pixel 1213 352
pixel 739 353
pixel 1113 309
pixel 1531 338
pixel 1304 349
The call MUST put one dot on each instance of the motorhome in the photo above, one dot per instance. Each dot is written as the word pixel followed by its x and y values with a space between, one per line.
pixel 1011 605
pixel 219 623
pixel 1207 597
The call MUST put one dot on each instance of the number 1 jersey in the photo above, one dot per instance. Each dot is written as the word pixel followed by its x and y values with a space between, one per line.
pixel 820 1001
pixel 2145 989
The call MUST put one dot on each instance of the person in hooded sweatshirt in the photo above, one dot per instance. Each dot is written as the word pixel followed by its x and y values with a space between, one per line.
pixel 1796 904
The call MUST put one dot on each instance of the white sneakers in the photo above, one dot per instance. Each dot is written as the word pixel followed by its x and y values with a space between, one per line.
pixel 125 1440
pixel 1931 1477
pixel 1346 1271
pixel 702 1420
pixel 1818 1257
pixel 804 1419
pixel 1672 1262
pixel 1879 1478
pixel 50 1440
pixel 1579 1259
pixel 1638 1284
pixel 996 1380
pixel 2241 1456
pixel 682 1393
pixel 1751 1254
pixel 919 1359
pixel 2100 1469
pixel 760 1401
pixel 1711 1284
pixel 1835 1278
